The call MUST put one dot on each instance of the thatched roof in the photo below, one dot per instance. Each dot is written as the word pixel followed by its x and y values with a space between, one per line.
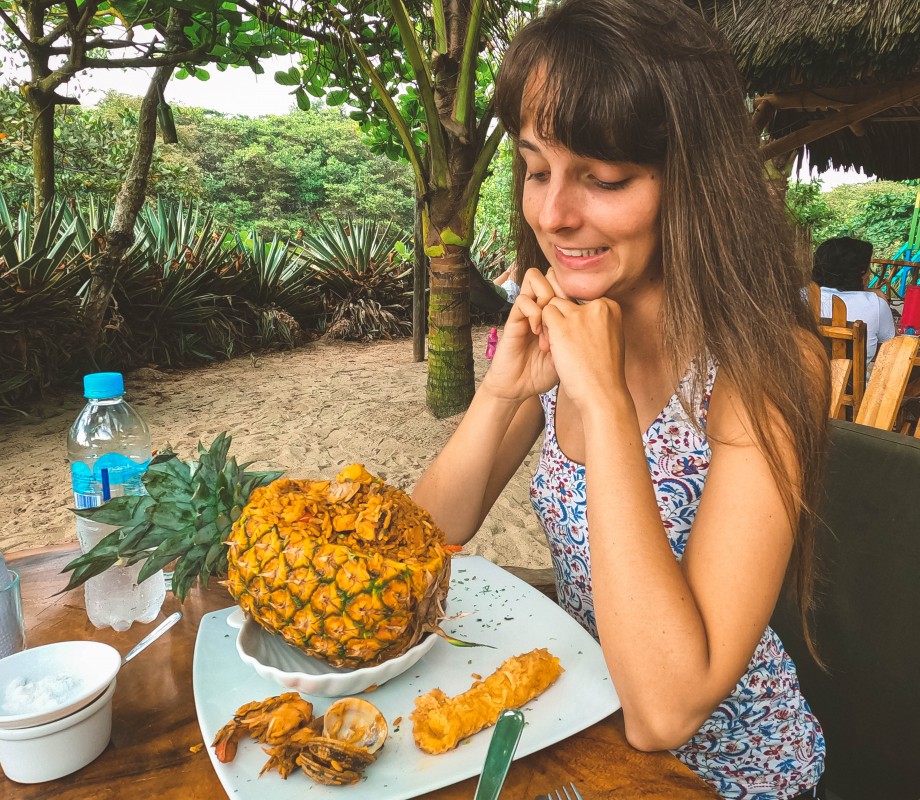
pixel 814 60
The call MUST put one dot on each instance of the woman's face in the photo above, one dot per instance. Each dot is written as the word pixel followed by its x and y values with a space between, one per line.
pixel 597 222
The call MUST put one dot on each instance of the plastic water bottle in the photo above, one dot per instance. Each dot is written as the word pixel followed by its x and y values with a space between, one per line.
pixel 491 343
pixel 109 448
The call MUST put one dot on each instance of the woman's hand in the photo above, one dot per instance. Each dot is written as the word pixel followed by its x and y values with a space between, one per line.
pixel 586 343
pixel 523 364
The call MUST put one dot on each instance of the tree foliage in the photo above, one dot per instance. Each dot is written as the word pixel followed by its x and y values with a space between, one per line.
pixel 64 37
pixel 878 211
pixel 275 174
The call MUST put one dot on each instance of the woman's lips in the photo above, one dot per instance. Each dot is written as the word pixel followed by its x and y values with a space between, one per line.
pixel 579 258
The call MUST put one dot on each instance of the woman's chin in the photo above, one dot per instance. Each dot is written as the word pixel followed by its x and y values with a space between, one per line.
pixel 583 291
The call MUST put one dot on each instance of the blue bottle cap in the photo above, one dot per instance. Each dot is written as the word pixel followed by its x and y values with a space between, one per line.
pixel 102 385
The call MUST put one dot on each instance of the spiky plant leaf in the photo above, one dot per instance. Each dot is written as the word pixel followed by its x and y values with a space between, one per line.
pixel 185 517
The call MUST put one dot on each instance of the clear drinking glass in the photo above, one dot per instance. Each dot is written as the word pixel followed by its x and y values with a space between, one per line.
pixel 12 622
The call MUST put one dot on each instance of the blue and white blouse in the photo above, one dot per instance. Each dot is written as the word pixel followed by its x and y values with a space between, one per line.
pixel 762 742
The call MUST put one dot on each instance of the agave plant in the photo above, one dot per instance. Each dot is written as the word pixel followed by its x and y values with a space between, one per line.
pixel 367 289
pixel 278 287
pixel 39 276
pixel 171 296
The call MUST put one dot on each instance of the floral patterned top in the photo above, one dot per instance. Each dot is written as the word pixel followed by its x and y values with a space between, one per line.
pixel 762 742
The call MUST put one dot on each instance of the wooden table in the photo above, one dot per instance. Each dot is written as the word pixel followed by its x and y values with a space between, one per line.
pixel 155 727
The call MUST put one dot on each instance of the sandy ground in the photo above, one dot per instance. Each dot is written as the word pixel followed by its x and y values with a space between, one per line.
pixel 309 412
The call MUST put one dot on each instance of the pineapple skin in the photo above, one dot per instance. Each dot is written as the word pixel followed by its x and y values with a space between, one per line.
pixel 350 571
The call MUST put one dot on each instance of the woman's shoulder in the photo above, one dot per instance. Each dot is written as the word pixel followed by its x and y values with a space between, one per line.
pixel 731 415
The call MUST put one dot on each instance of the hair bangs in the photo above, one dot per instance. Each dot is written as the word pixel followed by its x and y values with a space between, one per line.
pixel 579 95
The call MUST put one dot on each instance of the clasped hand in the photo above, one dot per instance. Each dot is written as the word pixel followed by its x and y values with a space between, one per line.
pixel 550 339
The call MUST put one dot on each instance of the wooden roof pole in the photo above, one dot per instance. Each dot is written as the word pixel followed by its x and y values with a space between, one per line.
pixel 896 95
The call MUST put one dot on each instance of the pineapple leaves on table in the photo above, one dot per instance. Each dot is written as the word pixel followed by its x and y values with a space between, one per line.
pixel 186 517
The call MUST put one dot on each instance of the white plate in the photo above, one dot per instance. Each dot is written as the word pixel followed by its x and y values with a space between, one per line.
pixel 504 612
pixel 273 658
pixel 89 666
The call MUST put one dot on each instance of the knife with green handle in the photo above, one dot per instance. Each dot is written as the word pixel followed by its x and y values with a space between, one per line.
pixel 504 742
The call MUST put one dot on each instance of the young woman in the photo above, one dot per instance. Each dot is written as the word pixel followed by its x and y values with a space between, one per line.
pixel 662 346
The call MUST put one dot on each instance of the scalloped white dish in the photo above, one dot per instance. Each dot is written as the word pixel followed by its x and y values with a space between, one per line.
pixel 274 659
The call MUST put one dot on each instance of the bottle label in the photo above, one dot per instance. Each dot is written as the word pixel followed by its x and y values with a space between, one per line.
pixel 112 475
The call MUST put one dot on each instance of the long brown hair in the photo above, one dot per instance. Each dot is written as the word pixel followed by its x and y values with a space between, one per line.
pixel 652 83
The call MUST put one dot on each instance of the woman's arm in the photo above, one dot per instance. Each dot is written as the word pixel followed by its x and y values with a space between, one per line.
pixel 500 426
pixel 466 478
pixel 676 636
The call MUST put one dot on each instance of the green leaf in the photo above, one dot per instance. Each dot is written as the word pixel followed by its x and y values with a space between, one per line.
pixel 290 77
pixel 336 97
pixel 117 511
pixel 303 100
pixel 172 517
pixel 202 74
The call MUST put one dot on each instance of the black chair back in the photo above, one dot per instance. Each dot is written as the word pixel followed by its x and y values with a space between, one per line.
pixel 867 625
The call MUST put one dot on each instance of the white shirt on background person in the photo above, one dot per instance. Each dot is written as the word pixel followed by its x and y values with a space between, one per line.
pixel 868 307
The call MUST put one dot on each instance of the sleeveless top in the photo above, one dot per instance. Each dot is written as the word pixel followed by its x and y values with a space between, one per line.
pixel 762 741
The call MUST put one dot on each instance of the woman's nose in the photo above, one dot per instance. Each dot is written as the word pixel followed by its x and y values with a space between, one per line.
pixel 561 206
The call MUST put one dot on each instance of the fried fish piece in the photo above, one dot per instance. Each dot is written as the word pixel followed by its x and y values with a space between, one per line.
pixel 439 722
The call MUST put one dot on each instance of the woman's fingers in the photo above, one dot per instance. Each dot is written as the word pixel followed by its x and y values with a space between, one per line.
pixel 537 287
pixel 531 311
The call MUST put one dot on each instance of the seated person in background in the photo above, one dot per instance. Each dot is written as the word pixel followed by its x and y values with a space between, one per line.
pixel 509 282
pixel 841 267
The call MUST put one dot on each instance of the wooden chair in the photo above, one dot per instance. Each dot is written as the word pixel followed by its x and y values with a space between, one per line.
pixel 891 383
pixel 867 621
pixel 846 346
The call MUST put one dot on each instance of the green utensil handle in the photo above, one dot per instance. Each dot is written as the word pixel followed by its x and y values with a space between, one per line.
pixel 504 742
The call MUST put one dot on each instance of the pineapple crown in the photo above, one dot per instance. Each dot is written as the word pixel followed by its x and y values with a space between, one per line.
pixel 186 517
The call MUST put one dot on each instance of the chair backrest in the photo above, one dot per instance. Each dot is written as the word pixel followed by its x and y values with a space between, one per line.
pixel 846 345
pixel 867 624
pixel 890 382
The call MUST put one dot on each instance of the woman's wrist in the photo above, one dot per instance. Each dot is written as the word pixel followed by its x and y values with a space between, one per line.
pixel 489 391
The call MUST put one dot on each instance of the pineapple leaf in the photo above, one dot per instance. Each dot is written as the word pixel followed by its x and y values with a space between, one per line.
pixel 173 516
pixel 185 517
pixel 130 538
pixel 207 534
pixel 83 571
pixel 117 510
pixel 211 558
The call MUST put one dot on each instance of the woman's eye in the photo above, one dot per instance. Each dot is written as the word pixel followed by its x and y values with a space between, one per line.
pixel 612 186
pixel 537 176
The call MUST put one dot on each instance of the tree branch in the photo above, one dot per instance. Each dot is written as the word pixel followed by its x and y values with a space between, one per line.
pixel 159 60
pixel 466 81
pixel 96 44
pixel 54 34
pixel 276 18
pixel 478 173
pixel 422 70
pixel 11 24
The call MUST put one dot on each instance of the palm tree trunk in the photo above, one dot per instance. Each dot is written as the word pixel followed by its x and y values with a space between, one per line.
pixel 450 343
